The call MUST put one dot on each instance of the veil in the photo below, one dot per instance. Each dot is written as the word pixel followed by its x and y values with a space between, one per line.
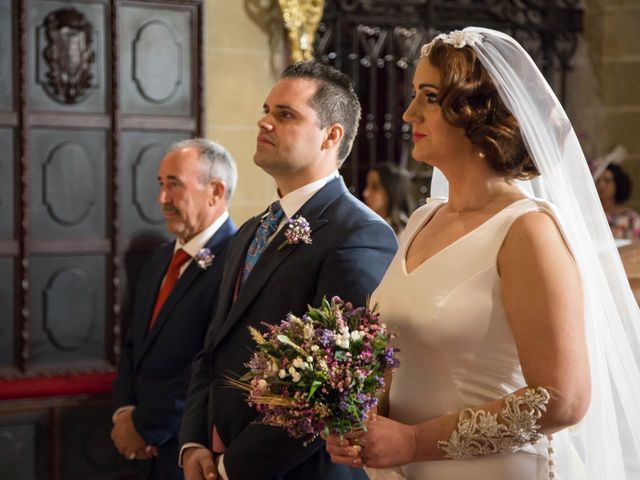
pixel 608 438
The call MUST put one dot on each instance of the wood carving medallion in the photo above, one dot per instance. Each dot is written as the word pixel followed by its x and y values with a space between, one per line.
pixel 69 54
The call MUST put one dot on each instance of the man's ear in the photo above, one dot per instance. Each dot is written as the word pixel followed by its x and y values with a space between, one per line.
pixel 335 133
pixel 218 191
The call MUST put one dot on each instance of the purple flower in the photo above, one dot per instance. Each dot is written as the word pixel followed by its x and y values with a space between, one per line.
pixel 297 230
pixel 389 359
pixel 326 337
pixel 204 258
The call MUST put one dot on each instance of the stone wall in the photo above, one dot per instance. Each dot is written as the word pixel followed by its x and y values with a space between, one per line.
pixel 604 90
pixel 242 63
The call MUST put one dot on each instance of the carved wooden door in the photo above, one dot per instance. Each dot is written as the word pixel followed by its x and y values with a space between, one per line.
pixel 92 92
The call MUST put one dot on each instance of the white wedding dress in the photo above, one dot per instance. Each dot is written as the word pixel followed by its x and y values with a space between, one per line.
pixel 456 348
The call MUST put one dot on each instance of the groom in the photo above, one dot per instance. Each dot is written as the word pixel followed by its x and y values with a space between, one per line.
pixel 309 124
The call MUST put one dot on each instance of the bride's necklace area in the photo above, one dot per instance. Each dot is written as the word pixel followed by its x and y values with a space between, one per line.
pixel 480 207
pixel 470 210
pixel 464 211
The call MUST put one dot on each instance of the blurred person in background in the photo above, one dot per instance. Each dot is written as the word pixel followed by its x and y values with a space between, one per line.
pixel 614 189
pixel 387 192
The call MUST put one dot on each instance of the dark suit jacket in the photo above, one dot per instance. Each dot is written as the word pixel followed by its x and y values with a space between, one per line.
pixel 155 366
pixel 351 250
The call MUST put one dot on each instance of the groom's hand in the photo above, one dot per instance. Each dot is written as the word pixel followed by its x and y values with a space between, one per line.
pixel 199 464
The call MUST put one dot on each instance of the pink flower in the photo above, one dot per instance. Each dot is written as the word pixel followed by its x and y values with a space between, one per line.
pixel 296 231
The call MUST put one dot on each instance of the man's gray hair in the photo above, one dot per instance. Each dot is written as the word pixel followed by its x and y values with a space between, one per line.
pixel 215 161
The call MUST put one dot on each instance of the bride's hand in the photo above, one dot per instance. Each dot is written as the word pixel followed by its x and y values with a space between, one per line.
pixel 345 449
pixel 385 443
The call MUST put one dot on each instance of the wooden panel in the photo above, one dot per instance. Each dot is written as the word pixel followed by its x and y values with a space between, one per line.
pixel 156 60
pixel 158 123
pixel 68 308
pixel 86 447
pixel 8 118
pixel 73 38
pixel 79 120
pixel 7 313
pixel 23 446
pixel 69 246
pixel 8 247
pixel 6 56
pixel 68 184
pixel 7 193
pixel 141 155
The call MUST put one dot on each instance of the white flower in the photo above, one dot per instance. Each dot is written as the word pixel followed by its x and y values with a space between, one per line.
pixel 461 38
pixel 300 363
pixel 307 331
pixel 297 230
pixel 282 373
pixel 204 258
pixel 292 371
pixel 296 377
pixel 342 339
pixel 262 384
pixel 315 348
pixel 357 335
pixel 310 359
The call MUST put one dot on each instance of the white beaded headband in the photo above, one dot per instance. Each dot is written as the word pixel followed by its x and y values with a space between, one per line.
pixel 457 38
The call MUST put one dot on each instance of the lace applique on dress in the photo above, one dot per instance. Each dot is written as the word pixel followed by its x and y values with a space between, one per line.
pixel 481 433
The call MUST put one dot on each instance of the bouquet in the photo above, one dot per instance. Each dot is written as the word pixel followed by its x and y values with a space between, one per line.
pixel 319 373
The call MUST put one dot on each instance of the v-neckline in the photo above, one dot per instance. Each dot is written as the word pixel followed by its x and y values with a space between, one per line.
pixel 449 245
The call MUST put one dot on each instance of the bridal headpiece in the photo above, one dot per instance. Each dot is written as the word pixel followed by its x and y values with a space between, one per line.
pixel 456 38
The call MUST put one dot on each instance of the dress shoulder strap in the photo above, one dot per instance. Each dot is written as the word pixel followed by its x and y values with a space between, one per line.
pixel 511 213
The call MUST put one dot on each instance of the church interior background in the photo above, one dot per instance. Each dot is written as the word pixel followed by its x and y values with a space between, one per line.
pixel 93 91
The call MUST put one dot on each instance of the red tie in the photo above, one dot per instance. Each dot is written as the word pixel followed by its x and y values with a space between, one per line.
pixel 180 257
pixel 217 446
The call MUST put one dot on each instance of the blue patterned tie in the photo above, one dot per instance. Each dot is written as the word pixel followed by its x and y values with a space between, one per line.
pixel 268 225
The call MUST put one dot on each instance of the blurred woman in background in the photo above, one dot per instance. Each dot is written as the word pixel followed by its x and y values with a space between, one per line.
pixel 614 188
pixel 387 192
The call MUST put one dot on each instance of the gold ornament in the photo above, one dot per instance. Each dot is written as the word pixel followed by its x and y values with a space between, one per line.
pixel 301 19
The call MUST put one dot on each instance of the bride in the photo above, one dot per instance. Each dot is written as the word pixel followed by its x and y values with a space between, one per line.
pixel 519 336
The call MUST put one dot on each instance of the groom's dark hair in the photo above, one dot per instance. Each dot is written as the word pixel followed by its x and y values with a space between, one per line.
pixel 335 100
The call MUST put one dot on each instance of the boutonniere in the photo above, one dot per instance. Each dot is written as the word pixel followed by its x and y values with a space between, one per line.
pixel 204 258
pixel 297 230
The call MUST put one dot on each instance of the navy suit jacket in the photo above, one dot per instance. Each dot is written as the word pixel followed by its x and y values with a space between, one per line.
pixel 351 250
pixel 155 365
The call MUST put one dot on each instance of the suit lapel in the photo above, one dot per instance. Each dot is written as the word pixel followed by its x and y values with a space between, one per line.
pixel 235 263
pixel 183 284
pixel 158 271
pixel 272 258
